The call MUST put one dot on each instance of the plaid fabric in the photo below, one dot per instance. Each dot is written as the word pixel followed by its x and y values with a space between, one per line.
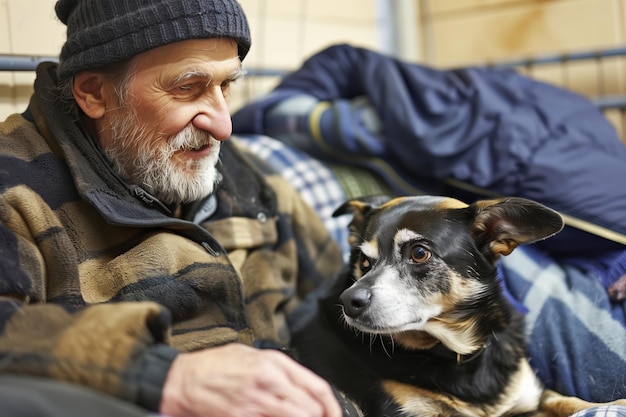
pixel 603 411
pixel 577 337
pixel 317 184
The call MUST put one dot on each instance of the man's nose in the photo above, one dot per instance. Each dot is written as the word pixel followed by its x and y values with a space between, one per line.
pixel 215 117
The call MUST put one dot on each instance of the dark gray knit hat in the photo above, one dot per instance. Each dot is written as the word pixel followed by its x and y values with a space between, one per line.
pixel 106 31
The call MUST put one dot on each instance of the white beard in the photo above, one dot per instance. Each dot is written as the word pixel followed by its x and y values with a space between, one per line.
pixel 146 160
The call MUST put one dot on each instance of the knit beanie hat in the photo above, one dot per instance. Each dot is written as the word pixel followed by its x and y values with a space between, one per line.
pixel 106 31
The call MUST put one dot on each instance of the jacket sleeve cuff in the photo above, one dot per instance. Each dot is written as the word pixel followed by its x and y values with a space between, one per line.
pixel 155 365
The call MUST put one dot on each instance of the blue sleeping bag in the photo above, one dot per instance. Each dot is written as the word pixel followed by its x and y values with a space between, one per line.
pixel 492 128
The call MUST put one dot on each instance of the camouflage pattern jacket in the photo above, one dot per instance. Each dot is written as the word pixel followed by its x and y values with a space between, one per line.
pixel 101 285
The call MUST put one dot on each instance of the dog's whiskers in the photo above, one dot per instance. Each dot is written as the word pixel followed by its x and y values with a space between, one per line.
pixel 393 347
pixel 495 336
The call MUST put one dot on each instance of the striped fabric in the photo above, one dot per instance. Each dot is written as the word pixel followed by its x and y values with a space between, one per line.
pixel 314 181
pixel 603 411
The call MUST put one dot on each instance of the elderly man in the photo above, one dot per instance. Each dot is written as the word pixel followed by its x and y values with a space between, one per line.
pixel 146 261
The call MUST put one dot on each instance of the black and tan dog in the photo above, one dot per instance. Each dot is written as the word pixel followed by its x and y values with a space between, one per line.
pixel 435 335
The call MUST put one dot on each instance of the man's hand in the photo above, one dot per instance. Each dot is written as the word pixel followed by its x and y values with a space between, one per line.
pixel 239 381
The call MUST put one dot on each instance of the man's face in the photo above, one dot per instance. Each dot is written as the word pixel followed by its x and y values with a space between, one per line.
pixel 163 133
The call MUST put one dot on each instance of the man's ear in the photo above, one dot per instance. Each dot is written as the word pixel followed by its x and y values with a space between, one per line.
pixel 88 90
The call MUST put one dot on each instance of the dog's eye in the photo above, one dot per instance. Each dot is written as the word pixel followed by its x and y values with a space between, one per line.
pixel 419 254
pixel 366 264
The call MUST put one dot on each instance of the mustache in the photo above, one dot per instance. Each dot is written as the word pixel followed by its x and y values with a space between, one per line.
pixel 190 138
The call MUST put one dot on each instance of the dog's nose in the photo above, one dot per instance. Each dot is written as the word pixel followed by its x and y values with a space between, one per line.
pixel 355 301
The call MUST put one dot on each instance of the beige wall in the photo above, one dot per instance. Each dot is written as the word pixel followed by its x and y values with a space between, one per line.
pixel 284 33
pixel 27 27
pixel 462 32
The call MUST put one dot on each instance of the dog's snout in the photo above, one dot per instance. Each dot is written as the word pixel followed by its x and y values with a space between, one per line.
pixel 355 300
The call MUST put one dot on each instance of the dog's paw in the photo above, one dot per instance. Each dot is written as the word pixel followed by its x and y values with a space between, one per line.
pixel 557 405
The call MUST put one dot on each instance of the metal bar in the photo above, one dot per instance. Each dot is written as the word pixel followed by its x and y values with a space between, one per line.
pixel 555 58
pixel 29 63
pixel 266 72
pixel 610 102
pixel 9 62
pixel 22 62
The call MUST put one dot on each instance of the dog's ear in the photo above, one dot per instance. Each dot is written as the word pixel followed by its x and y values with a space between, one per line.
pixel 360 208
pixel 500 225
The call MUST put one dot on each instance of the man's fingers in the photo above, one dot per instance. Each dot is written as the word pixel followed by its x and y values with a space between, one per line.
pixel 236 380
pixel 290 407
pixel 310 385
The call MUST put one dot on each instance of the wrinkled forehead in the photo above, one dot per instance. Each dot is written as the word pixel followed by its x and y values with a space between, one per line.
pixel 212 56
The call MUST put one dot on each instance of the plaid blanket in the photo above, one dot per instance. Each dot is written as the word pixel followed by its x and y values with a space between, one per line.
pixel 577 336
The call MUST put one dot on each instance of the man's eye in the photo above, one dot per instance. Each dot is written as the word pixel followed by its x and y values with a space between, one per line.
pixel 225 86
pixel 185 87
pixel 188 91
